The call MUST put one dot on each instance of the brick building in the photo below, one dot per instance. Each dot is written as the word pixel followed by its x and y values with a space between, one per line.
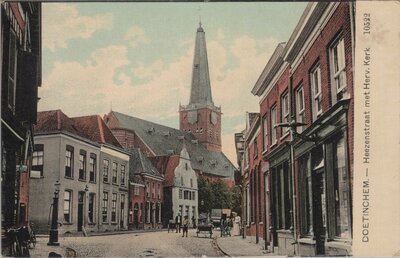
pixel 21 77
pixel 307 118
pixel 148 195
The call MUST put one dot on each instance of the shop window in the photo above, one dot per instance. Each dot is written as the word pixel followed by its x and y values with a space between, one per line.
pixel 282 197
pixel 306 204
pixel 341 188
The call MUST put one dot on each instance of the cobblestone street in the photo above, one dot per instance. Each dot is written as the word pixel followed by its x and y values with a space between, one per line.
pixel 141 244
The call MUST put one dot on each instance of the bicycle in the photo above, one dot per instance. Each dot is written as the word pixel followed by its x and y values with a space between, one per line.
pixel 19 241
pixel 32 235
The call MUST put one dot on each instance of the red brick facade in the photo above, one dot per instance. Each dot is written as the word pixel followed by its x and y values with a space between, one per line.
pixel 208 133
pixel 319 53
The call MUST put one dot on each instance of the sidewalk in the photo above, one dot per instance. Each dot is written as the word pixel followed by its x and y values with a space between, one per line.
pixel 237 246
pixel 43 250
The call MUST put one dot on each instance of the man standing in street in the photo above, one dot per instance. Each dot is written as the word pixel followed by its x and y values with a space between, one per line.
pixel 185 226
pixel 178 223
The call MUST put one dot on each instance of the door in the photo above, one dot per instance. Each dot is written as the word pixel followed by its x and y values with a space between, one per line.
pixel 136 216
pixel 81 196
pixel 319 209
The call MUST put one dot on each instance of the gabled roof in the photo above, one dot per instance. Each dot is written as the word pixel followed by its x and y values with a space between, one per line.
pixel 140 164
pixel 55 121
pixel 167 141
pixel 94 128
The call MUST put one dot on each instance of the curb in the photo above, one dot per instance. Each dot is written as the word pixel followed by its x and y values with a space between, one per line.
pixel 105 233
pixel 215 241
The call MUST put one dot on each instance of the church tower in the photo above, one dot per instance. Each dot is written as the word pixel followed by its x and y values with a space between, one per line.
pixel 201 117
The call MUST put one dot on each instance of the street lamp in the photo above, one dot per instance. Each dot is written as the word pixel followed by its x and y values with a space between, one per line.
pixel 53 235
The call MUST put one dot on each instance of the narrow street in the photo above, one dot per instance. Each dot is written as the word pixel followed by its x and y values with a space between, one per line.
pixel 156 244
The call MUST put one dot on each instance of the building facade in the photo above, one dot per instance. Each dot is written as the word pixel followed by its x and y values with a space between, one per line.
pixel 63 156
pixel 21 77
pixel 307 118
pixel 149 207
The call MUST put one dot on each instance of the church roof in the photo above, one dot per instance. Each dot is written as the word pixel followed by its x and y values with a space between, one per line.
pixel 166 141
pixel 200 93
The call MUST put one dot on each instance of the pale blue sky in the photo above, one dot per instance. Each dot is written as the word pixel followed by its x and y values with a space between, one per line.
pixel 138 56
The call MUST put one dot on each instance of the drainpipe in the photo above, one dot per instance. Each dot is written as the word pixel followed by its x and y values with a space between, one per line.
pixel 292 172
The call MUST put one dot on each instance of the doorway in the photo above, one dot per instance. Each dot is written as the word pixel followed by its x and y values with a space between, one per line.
pixel 319 210
pixel 81 196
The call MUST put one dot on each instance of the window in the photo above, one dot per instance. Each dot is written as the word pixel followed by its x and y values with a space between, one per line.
pixel 338 70
pixel 12 70
pixel 106 165
pixel 191 182
pixel 147 212
pixel 82 165
pixel 186 166
pixel 153 191
pixel 122 211
pixel 341 188
pixel 159 191
pixel 37 158
pixel 285 112
pixel 69 161
pixel 92 168
pixel 136 190
pixel 114 169
pixel 265 133
pixel 306 200
pixel 147 189
pixel 180 193
pixel 274 128
pixel 316 101
pixel 193 195
pixel 281 196
pixel 123 174
pixel 255 149
pixel 91 207
pixel 186 195
pixel 114 208
pixel 182 183
pixel 105 206
pixel 300 110
pixel 67 205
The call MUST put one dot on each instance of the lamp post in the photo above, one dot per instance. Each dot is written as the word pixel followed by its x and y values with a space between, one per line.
pixel 53 235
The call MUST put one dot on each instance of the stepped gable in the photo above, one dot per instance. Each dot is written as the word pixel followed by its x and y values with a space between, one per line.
pixel 94 128
pixel 140 164
pixel 55 121
pixel 163 140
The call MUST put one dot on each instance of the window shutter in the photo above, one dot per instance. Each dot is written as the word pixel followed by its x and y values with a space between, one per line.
pixel 27 83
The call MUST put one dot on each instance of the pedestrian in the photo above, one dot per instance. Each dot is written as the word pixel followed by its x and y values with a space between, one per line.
pixel 193 222
pixel 178 223
pixel 185 226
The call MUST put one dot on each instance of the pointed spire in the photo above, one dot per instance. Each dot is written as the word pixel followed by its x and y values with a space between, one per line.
pixel 201 89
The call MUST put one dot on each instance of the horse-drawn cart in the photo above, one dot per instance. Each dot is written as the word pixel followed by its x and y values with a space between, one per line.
pixel 205 229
